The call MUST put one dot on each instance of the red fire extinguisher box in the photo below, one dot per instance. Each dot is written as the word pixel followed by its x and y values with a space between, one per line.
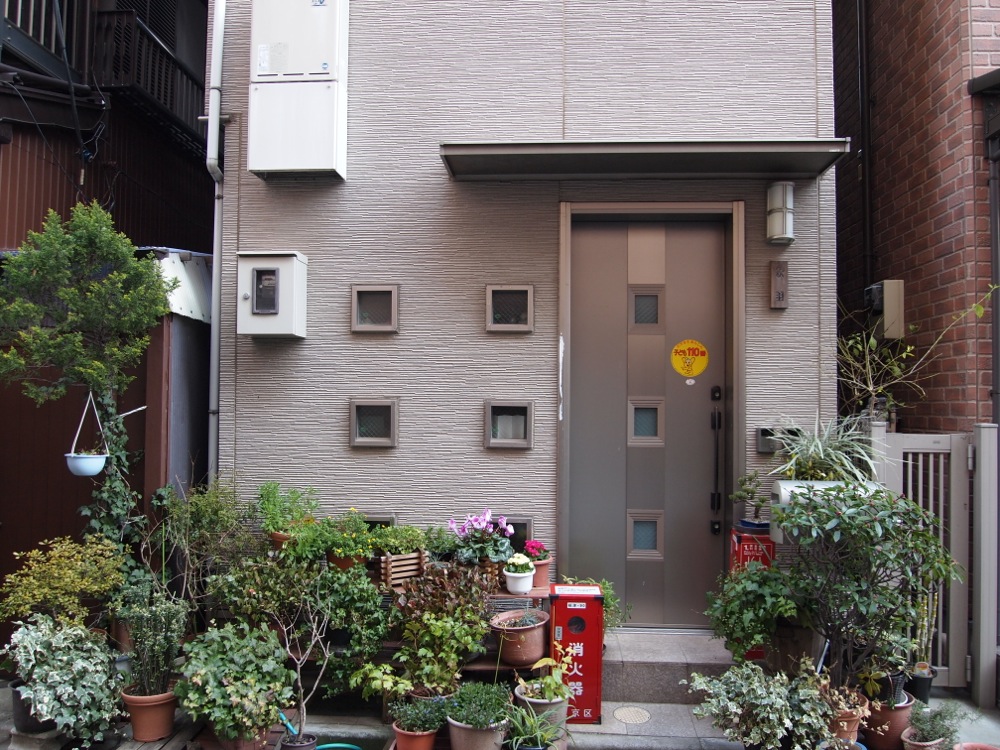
pixel 577 620
pixel 744 548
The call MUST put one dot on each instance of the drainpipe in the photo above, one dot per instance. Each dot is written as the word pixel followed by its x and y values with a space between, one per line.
pixel 993 153
pixel 212 164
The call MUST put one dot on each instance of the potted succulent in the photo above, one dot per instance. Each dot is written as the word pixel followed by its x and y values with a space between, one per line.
pixel 69 676
pixel 477 715
pixel 62 578
pixel 549 693
pixel 933 728
pixel 520 635
pixel 770 712
pixel 416 723
pixel 528 730
pixel 235 678
pixel 537 552
pixel 519 573
pixel 156 625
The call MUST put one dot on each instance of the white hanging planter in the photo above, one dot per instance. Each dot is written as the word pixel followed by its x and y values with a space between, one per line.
pixel 87 464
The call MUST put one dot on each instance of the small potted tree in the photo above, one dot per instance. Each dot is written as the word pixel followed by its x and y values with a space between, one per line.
pixel 156 624
pixel 235 678
pixel 281 509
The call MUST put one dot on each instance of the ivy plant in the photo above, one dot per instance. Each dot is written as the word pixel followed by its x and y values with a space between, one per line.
pixel 69 676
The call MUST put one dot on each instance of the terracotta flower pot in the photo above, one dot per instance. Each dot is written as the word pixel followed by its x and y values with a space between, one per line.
pixel 257 742
pixel 891 721
pixel 909 744
pixel 541 578
pixel 152 716
pixel 465 737
pixel 345 563
pixel 413 740
pixel 845 725
pixel 520 646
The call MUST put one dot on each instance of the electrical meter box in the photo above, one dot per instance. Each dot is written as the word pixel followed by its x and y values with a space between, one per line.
pixel 577 622
pixel 783 489
pixel 271 291
pixel 297 117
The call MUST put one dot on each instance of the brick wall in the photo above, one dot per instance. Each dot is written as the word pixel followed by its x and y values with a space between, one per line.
pixel 928 185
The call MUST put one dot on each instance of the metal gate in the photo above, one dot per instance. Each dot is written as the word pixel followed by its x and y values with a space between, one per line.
pixel 933 470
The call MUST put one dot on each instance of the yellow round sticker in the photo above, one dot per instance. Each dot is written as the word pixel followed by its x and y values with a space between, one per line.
pixel 689 358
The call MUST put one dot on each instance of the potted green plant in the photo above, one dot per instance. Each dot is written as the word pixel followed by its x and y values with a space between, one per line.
pixel 348 538
pixel 303 602
pixel 764 710
pixel 281 509
pixel 934 727
pixel 440 543
pixel 399 553
pixel 616 612
pixel 528 730
pixel 156 626
pixel 749 603
pixel 749 493
pixel 416 723
pixel 442 620
pixel 477 715
pixel 835 450
pixel 235 678
pixel 549 693
pixel 69 676
pixel 200 532
pixel 63 578
pixel 863 554
pixel 519 573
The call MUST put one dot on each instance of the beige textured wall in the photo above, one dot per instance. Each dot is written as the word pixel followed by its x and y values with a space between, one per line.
pixel 424 72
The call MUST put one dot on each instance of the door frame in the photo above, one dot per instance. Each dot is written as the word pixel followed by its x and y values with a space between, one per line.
pixel 732 214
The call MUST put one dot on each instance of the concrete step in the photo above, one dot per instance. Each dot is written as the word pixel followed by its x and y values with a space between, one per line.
pixel 647 666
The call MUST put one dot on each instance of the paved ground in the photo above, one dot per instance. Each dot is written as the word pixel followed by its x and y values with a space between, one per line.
pixel 624 726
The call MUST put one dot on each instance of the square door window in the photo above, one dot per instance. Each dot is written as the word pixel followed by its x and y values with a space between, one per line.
pixel 374 423
pixel 508 424
pixel 646 310
pixel 375 308
pixel 645 534
pixel 645 422
pixel 510 308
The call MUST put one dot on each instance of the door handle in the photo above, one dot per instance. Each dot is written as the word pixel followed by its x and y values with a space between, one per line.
pixel 717 430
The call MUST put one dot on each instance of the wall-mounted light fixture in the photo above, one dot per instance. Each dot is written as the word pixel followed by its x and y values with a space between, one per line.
pixel 781 213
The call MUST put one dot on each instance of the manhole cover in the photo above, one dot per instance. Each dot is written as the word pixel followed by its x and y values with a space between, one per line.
pixel 631 715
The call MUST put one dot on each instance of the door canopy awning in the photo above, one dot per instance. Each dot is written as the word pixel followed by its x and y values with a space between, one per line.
pixel 622 160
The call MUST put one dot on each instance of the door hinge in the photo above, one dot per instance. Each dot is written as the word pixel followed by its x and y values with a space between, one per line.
pixel 968 668
pixel 971 455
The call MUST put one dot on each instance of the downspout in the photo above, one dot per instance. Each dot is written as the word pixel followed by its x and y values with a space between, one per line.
pixel 993 154
pixel 865 115
pixel 212 163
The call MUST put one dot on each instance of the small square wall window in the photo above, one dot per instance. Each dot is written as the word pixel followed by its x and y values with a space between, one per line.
pixel 374 423
pixel 375 308
pixel 508 424
pixel 510 308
